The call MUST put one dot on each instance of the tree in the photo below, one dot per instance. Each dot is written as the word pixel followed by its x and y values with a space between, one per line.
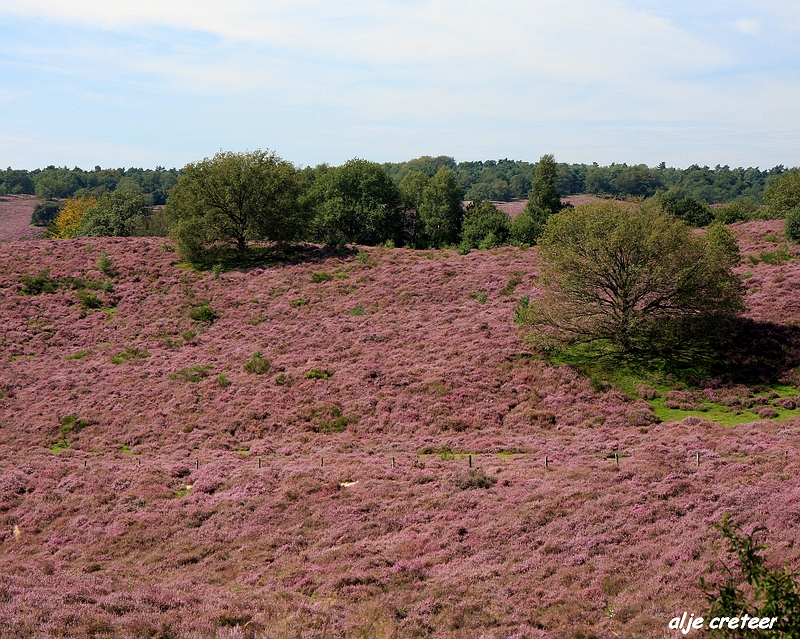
pixel 792 227
pixel 685 207
pixel 485 226
pixel 68 221
pixel 412 189
pixel 633 276
pixel 45 212
pixel 116 214
pixel 543 201
pixel 357 203
pixel 233 198
pixel 440 210
pixel 783 193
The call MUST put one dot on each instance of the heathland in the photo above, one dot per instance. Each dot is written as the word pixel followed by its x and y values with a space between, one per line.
pixel 360 442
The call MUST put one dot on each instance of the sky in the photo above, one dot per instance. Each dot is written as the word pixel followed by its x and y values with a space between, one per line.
pixel 148 83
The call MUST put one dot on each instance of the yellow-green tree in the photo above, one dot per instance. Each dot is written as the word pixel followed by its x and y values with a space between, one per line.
pixel 68 221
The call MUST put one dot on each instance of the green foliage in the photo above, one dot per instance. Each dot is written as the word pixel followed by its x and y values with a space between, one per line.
pixel 736 212
pixel 357 310
pixel 191 374
pixel 128 354
pixel 189 335
pixel 203 313
pixel 38 284
pixel 71 424
pixel 233 198
pixel 357 203
pixel 321 276
pixel 783 193
pixel 792 227
pixel 440 212
pixel 511 285
pixel 45 213
pixel 298 303
pixel 337 422
pixel 685 207
pixel 543 195
pixel 258 365
pixel 223 381
pixel 635 276
pixel 485 226
pixel 746 585
pixel 119 213
pixel 281 380
pixel 79 355
pixel 776 257
pixel 89 300
pixel 105 265
pixel 528 225
pixel 318 373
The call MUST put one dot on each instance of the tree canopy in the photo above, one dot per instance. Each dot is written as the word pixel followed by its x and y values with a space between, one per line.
pixel 357 203
pixel 783 193
pixel 633 275
pixel 233 198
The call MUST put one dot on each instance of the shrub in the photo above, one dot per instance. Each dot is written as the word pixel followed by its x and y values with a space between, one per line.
pixel 189 335
pixel 203 313
pixel 38 284
pixel 736 212
pixel 318 373
pixel 474 479
pixel 45 213
pixel 258 365
pixel 191 374
pixel 321 276
pixel 89 300
pixel 128 354
pixel 745 585
pixel 223 381
pixel 792 226
pixel 105 266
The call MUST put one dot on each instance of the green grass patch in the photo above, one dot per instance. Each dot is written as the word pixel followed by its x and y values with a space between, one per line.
pixel 79 355
pixel 191 374
pixel 128 354
pixel 318 373
pixel 258 364
pixel 321 276
pixel 356 311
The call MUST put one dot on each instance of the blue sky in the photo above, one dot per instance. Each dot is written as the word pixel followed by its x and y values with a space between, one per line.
pixel 88 82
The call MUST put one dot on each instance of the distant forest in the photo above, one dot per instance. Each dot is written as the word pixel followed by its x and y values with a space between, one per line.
pixel 502 180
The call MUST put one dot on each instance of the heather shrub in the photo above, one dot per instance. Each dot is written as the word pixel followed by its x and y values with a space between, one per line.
pixel 258 365
pixel 474 479
pixel 744 584
pixel 792 225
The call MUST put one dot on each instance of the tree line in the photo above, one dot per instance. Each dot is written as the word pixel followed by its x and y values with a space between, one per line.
pixel 502 180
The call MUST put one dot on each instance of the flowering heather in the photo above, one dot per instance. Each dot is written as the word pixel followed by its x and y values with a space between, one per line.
pixel 15 218
pixel 145 499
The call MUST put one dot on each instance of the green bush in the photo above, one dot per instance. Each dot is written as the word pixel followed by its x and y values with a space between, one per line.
pixel 258 365
pixel 769 592
pixel 203 313
pixel 223 381
pixel 191 374
pixel 783 193
pixel 318 373
pixel 792 228
pixel 321 276
pixel 89 300
pixel 119 213
pixel 45 213
pixel 38 284
pixel 128 354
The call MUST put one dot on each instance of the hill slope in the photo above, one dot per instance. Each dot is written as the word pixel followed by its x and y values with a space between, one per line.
pixel 134 503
